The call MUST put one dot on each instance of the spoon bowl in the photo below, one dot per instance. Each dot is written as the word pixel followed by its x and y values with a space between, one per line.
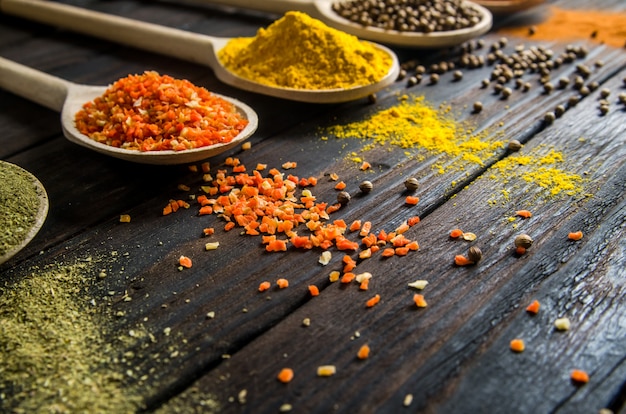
pixel 40 216
pixel 323 11
pixel 68 98
pixel 181 44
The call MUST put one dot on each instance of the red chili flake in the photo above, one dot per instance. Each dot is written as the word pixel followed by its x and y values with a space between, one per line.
pixel 150 112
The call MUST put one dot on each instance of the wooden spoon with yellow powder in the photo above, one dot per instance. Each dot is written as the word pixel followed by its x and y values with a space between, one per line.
pixel 345 68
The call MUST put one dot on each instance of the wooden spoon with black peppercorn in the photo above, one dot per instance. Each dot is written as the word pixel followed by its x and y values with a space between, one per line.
pixel 420 35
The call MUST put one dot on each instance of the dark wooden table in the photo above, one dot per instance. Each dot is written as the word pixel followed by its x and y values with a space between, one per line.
pixel 452 356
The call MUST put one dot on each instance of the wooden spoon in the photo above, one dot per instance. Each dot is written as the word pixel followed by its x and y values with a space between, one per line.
pixel 181 44
pixel 68 98
pixel 40 217
pixel 322 10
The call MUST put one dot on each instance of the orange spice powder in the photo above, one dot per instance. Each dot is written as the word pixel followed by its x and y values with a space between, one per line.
pixel 563 24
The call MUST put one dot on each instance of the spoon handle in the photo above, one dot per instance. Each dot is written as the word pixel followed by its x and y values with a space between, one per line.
pixel 39 87
pixel 181 44
pixel 270 6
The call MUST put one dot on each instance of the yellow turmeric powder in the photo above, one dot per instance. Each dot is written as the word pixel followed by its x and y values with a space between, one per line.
pixel 413 123
pixel 540 169
pixel 300 52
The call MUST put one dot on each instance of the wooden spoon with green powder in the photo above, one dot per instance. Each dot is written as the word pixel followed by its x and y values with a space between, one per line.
pixel 185 45
pixel 23 209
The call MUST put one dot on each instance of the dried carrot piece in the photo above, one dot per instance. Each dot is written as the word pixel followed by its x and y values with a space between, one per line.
pixel 124 218
pixel 456 233
pixel 313 290
pixel 205 210
pixel 365 166
pixel 365 283
pixel 388 252
pixel 263 286
pixel 401 251
pixel 340 186
pixel 347 277
pixel 524 213
pixel 373 301
pixel 517 345
pixel 365 254
pixel 520 250
pixel 282 283
pixel 229 226
pixel 579 376
pixel 356 225
pixel 285 375
pixel 461 260
pixel 576 235
pixel 412 200
pixel 533 307
pixel 414 245
pixel 419 300
pixel 364 352
pixel 365 229
pixel 412 221
pixel 185 261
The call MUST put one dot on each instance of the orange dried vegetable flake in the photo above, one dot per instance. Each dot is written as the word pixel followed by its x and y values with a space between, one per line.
pixel 152 112
pixel 517 345
pixel 365 283
pixel 419 300
pixel 412 200
pixel 412 221
pixel 355 226
pixel 348 277
pixel 289 165
pixel 263 286
pixel 519 250
pixel 340 186
pixel 373 301
pixel 208 231
pixel 124 218
pixel 364 352
pixel 579 376
pixel 282 283
pixel 285 375
pixel 185 261
pixel 365 166
pixel 461 260
pixel 524 213
pixel 388 252
pixel 313 290
pixel 533 307
pixel 576 235
pixel 365 228
pixel 456 233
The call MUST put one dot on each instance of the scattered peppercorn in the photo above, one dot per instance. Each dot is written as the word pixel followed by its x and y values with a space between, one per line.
pixel 343 197
pixel 474 254
pixel 549 117
pixel 411 183
pixel 478 106
pixel 366 186
pixel 514 145
pixel 523 240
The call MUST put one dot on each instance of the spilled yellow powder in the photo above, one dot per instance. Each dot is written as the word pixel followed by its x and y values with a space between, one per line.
pixel 561 24
pixel 541 170
pixel 413 123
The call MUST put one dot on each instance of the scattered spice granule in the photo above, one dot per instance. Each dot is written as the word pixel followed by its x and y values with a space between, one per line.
pixel 517 345
pixel 456 233
pixel 285 375
pixel 325 257
pixel 418 284
pixel 533 307
pixel 419 301
pixel 334 276
pixel 562 324
pixel 411 200
pixel 576 235
pixel 461 260
pixel 152 112
pixel 282 283
pixel 326 370
pixel 373 301
pixel 364 352
pixel 408 400
pixel 263 286
pixel 185 262
pixel 520 251
pixel 579 376
pixel 246 145
pixel 211 245
pixel 524 213
pixel 124 218
pixel 469 236
pixel 313 290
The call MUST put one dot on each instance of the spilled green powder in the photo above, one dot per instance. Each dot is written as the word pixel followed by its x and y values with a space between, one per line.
pixel 413 123
pixel 53 354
